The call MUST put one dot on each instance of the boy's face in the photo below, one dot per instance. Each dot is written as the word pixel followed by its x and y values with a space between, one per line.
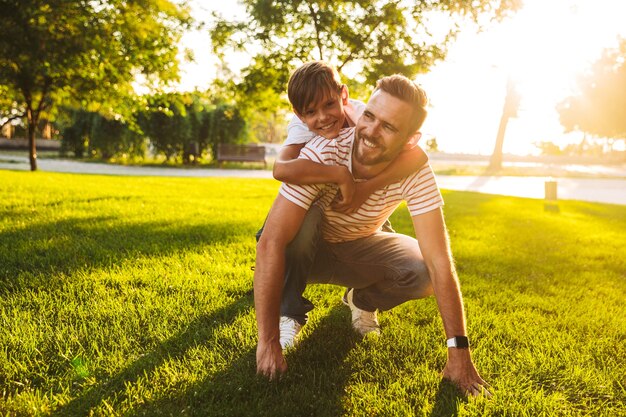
pixel 326 116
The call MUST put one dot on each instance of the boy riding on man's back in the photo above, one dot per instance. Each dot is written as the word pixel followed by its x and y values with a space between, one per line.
pixel 322 107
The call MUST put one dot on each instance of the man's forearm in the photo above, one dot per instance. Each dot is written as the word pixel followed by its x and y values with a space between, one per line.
pixel 281 226
pixel 449 300
pixel 268 285
pixel 431 234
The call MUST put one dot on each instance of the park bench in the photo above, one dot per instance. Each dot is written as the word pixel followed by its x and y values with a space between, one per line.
pixel 240 153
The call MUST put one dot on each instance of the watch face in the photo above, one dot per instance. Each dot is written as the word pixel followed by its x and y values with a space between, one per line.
pixel 458 342
pixel 462 342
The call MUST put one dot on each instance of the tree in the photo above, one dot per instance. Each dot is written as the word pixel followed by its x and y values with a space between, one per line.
pixel 85 52
pixel 371 37
pixel 225 125
pixel 509 110
pixel 598 107
pixel 166 123
pixel 111 138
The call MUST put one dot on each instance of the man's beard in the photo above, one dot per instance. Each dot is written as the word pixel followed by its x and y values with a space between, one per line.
pixel 381 156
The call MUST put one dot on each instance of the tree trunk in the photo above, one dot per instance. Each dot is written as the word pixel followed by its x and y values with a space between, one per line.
pixel 495 162
pixel 32 144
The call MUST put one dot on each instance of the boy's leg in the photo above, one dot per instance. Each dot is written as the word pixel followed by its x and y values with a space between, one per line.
pixel 385 270
pixel 299 258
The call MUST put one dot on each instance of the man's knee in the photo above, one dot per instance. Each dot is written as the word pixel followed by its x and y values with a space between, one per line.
pixel 415 279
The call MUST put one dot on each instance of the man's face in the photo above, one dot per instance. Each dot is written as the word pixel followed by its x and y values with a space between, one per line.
pixel 383 129
pixel 326 116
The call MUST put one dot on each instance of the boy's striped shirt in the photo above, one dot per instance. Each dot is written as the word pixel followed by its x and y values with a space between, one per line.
pixel 419 190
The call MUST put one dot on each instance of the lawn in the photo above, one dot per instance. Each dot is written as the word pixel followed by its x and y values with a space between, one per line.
pixel 132 296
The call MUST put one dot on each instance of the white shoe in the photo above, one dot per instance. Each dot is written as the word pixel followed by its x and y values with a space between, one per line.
pixel 289 329
pixel 364 322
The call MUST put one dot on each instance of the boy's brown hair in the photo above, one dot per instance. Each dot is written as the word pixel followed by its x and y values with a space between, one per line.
pixel 312 82
pixel 403 88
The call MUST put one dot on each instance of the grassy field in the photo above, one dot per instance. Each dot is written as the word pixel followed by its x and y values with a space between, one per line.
pixel 132 296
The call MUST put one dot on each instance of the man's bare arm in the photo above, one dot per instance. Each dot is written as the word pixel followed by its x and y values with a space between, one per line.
pixel 431 234
pixel 281 226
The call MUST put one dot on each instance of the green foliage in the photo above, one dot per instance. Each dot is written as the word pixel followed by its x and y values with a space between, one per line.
pixel 112 138
pixel 10 108
pixel 81 52
pixel 131 296
pixel 225 125
pixel 92 134
pixel 598 108
pixel 178 125
pixel 375 37
pixel 75 132
pixel 167 125
pixel 261 99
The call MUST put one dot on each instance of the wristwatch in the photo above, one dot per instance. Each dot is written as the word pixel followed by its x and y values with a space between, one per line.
pixel 460 342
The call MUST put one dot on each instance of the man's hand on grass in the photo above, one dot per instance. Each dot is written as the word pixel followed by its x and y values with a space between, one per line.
pixel 270 361
pixel 461 371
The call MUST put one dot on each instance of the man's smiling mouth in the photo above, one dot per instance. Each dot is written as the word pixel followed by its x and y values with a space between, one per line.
pixel 369 144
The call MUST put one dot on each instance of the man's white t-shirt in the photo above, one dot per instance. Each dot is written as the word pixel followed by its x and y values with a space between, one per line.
pixel 299 133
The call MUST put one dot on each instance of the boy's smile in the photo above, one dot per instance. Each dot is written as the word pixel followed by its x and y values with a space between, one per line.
pixel 326 117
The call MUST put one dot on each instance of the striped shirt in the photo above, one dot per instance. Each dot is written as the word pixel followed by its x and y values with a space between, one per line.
pixel 419 190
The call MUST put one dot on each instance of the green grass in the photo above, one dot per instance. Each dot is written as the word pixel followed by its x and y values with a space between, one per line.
pixel 131 296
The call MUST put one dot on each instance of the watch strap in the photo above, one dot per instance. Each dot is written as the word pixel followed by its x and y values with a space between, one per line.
pixel 461 342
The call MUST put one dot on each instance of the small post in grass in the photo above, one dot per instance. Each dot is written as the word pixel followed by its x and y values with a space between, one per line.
pixel 551 203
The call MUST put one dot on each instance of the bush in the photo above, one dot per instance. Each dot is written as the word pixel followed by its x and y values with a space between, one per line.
pixel 225 125
pixel 100 137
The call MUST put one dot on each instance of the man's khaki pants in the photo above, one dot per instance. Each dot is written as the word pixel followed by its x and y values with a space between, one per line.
pixel 385 269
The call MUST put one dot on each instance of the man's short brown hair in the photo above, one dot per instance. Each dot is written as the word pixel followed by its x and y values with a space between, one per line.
pixel 310 83
pixel 401 87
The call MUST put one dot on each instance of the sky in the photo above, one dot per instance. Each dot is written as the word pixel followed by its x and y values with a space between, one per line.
pixel 542 48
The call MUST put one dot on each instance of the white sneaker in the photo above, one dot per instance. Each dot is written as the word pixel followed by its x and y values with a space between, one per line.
pixel 364 322
pixel 289 329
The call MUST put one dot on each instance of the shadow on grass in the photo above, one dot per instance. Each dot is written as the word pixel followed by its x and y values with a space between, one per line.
pixel 313 386
pixel 45 251
pixel 447 400
pixel 200 331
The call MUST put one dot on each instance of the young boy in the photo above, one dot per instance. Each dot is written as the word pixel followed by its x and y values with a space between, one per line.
pixel 322 107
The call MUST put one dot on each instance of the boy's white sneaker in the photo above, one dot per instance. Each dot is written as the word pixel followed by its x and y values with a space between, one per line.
pixel 289 329
pixel 364 322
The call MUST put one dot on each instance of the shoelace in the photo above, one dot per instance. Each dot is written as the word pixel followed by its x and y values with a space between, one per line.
pixel 366 319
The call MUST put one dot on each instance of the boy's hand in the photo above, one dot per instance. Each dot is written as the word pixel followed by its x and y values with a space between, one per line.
pixel 346 185
pixel 361 194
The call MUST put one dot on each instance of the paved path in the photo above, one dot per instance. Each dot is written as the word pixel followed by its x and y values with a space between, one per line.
pixel 596 190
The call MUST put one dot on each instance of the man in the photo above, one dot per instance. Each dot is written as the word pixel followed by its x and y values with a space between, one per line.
pixel 381 270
